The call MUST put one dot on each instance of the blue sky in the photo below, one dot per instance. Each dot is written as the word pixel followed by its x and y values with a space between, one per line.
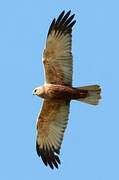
pixel 90 149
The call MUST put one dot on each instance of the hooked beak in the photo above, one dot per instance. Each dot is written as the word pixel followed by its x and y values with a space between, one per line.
pixel 33 92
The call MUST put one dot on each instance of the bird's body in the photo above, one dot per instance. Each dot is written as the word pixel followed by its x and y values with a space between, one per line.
pixel 61 92
pixel 58 91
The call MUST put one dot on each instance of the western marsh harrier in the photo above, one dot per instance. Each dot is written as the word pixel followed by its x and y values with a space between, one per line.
pixel 58 91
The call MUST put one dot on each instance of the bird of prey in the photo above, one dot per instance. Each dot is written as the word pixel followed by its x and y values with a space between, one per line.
pixel 57 90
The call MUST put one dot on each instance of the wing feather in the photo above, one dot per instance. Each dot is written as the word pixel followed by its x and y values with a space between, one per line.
pixel 57 56
pixel 51 125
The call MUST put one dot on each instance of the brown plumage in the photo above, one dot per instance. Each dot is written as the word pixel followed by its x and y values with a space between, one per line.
pixel 58 91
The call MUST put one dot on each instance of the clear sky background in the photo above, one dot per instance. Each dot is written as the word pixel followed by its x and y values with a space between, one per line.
pixel 90 150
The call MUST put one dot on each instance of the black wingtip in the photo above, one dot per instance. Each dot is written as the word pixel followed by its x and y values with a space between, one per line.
pixel 51 26
pixel 62 13
pixel 63 24
pixel 48 156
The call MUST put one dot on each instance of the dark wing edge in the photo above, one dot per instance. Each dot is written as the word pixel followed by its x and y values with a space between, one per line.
pixel 63 24
pixel 48 156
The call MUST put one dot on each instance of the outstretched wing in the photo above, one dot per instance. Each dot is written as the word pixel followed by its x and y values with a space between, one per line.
pixel 57 56
pixel 51 125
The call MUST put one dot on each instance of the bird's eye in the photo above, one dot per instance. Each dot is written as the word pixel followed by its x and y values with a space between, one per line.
pixel 35 90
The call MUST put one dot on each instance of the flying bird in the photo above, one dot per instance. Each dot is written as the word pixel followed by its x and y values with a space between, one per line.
pixel 57 90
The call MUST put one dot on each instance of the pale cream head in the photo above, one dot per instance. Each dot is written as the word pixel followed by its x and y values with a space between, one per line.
pixel 39 91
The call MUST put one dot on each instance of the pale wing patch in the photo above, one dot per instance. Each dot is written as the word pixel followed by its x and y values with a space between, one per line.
pixel 51 125
pixel 57 59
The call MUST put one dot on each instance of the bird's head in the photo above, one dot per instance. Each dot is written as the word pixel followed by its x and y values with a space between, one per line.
pixel 39 91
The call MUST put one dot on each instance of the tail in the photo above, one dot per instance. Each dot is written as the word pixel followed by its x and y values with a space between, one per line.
pixel 90 94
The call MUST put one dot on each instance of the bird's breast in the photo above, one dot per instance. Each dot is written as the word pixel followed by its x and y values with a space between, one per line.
pixel 60 92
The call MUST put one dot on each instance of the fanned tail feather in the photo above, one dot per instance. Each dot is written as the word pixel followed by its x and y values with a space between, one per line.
pixel 92 94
